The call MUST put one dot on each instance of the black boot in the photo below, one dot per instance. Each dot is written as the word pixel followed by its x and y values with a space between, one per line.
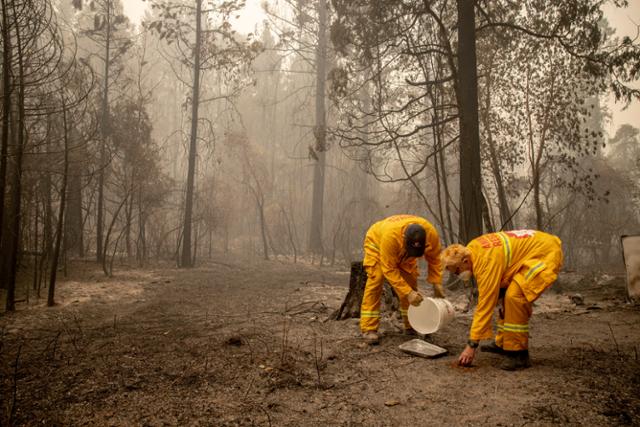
pixel 516 360
pixel 492 348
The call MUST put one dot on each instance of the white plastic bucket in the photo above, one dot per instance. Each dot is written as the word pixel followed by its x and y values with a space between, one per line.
pixel 431 315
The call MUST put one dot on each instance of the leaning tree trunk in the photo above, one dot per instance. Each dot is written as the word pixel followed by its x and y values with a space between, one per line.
pixel 503 204
pixel 350 307
pixel 290 235
pixel 263 230
pixel 63 202
pixel 108 271
pixel 486 215
pixel 438 162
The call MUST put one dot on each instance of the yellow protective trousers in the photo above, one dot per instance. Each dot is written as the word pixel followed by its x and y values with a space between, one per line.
pixel 370 308
pixel 513 324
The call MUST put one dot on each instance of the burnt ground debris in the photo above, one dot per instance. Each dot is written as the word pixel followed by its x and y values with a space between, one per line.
pixel 236 344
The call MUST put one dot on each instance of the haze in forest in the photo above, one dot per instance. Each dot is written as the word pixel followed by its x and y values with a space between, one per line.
pixel 219 212
pixel 624 21
pixel 183 133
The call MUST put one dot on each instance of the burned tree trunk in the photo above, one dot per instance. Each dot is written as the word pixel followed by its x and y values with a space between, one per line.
pixel 186 259
pixel 63 202
pixel 467 96
pixel 320 133
pixel 350 307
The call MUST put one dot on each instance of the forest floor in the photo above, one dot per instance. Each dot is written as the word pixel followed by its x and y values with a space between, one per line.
pixel 234 344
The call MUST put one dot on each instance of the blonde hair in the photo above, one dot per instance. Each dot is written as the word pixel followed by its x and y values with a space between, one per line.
pixel 453 255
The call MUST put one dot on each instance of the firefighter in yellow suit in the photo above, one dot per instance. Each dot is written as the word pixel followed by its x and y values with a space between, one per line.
pixel 512 269
pixel 391 249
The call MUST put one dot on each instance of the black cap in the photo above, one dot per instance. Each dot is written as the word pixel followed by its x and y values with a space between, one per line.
pixel 415 239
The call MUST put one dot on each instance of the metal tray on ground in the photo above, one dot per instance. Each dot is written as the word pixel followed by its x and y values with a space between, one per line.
pixel 421 348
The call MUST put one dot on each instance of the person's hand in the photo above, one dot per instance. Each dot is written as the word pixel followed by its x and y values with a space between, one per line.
pixel 466 357
pixel 438 292
pixel 414 298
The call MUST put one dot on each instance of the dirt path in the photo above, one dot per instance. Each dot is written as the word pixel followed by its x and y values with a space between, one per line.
pixel 228 344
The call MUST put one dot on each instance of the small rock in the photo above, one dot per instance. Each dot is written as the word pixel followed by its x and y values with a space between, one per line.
pixel 234 340
pixel 577 299
pixel 391 402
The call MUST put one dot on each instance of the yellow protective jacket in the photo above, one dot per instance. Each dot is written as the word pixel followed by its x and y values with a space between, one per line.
pixel 530 258
pixel 384 244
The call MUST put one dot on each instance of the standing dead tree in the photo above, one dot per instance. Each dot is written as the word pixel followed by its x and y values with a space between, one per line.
pixel 75 84
pixel 31 34
pixel 47 90
pixel 307 38
pixel 350 307
pixel 100 23
pixel 108 32
pixel 205 41
pixel 63 202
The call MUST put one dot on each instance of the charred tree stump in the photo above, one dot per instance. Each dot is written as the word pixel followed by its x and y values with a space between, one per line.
pixel 350 307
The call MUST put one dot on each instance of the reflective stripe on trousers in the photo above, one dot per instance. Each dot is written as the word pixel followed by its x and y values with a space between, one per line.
pixel 370 308
pixel 513 331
